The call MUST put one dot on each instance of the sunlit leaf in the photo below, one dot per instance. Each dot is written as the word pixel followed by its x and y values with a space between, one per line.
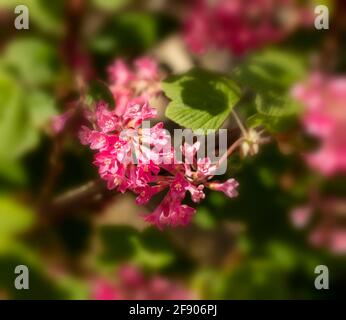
pixel 200 99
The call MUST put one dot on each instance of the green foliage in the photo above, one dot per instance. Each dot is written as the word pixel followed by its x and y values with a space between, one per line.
pixel 130 33
pixel 28 66
pixel 107 5
pixel 45 14
pixel 42 107
pixel 14 218
pixel 270 75
pixel 32 60
pixel 147 249
pixel 271 70
pixel 41 285
pixel 200 99
pixel 276 113
pixel 99 91
pixel 16 133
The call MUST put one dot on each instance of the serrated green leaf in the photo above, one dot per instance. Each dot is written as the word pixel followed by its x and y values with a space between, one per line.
pixel 271 75
pixel 200 100
pixel 275 113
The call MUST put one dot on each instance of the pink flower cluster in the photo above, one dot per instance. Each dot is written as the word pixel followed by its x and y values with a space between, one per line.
pixel 131 284
pixel 142 160
pixel 141 82
pixel 241 26
pixel 328 232
pixel 324 99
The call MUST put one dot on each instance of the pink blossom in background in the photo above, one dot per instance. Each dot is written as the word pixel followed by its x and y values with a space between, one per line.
pixel 132 284
pixel 325 221
pixel 59 121
pixel 242 26
pixel 324 100
pixel 141 82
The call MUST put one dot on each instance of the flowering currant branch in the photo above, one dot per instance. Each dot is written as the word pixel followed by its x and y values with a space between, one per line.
pixel 142 160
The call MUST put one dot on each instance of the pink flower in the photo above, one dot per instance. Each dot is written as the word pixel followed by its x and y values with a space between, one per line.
pixel 171 213
pixel 229 187
pixel 327 226
pixel 106 120
pixel 301 216
pixel 324 99
pixel 197 193
pixel 103 290
pixel 137 84
pixel 58 122
pixel 131 284
pixel 132 157
pixel 147 68
pixel 338 241
pixel 205 168
pixel 120 73
pixel 190 151
pixel 242 26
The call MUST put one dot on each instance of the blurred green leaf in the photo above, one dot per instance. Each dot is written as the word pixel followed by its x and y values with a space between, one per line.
pixel 204 218
pixel 33 60
pixel 148 248
pixel 16 133
pixel 41 285
pixel 99 91
pixel 200 99
pixel 12 171
pixel 129 34
pixel 275 113
pixel 271 70
pixel 46 14
pixel 116 243
pixel 148 258
pixel 110 5
pixel 41 107
pixel 14 219
pixel 270 75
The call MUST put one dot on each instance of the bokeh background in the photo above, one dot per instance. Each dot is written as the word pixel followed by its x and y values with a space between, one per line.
pixel 83 242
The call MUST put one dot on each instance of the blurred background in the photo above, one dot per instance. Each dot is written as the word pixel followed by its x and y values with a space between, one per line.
pixel 81 241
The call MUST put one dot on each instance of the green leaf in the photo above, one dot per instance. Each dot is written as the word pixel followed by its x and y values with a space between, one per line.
pixel 130 33
pixel 41 107
pixel 200 99
pixel 116 243
pixel 41 284
pixel 14 219
pixel 12 171
pixel 271 70
pixel 33 60
pixel 107 5
pixel 16 133
pixel 148 258
pixel 46 14
pixel 270 75
pixel 274 113
pixel 20 121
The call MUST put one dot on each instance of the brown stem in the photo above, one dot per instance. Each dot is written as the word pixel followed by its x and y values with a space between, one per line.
pixel 54 170
pixel 230 150
pixel 79 197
